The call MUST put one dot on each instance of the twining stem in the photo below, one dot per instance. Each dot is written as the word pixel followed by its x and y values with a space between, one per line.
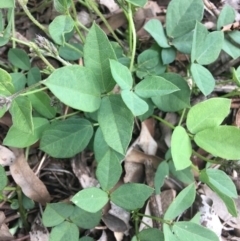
pixel 132 35
pixel 65 116
pixel 155 218
pixel 163 121
pixel 21 209
pixel 182 116
pixel 93 6
pixel 204 158
pixel 33 91
pixel 76 21
pixel 28 13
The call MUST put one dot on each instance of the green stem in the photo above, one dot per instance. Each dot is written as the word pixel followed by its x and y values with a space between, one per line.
pixel 13 29
pixel 231 94
pixel 34 91
pixel 204 158
pixel 21 92
pixel 164 122
pixel 93 6
pixel 155 218
pixel 76 21
pixel 133 34
pixel 28 13
pixel 182 116
pixel 21 209
pixel 65 116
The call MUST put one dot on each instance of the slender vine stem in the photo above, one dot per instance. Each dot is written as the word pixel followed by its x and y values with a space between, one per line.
pixel 163 121
pixel 133 36
pixel 29 14
pixel 204 158
pixel 182 116
pixel 93 6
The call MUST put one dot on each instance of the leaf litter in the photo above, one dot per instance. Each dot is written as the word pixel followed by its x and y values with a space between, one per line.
pixel 140 164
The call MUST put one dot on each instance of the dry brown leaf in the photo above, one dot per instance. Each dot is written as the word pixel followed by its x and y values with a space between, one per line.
pixel 23 175
pixel 114 223
pixel 221 210
pixel 140 157
pixel 110 5
pixel 103 237
pixel 208 216
pixel 115 21
pixel 38 231
pixel 4 231
pixel 7 157
pixel 83 172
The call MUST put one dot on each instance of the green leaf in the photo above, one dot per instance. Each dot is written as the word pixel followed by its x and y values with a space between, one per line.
pixel 206 46
pixel 151 234
pixel 154 86
pixel 108 173
pixel 62 6
pixel 27 202
pixel 121 74
pixel 229 202
pixel 71 53
pixel 219 180
pixel 138 3
pixel 3 178
pixel 226 16
pixel 181 148
pixel 184 43
pixel 6 86
pixel 231 49
pixel 137 105
pixel 60 26
pixel 7 4
pixel 161 173
pixel 21 111
pixel 76 87
pixel 18 138
pixel 148 59
pixel 85 220
pixel 33 76
pixel 203 78
pixel 56 213
pixel 131 196
pixel 168 55
pixel 192 231
pixel 182 16
pixel 102 151
pixel 150 111
pixel 235 36
pixel 86 238
pixel 41 103
pixel 73 134
pixel 64 231
pixel 168 234
pixel 90 199
pixel 185 175
pixel 155 29
pixel 221 141
pixel 19 81
pixel 116 122
pixel 207 114
pixel 183 201
pixel 19 59
pixel 97 52
pixel 177 100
